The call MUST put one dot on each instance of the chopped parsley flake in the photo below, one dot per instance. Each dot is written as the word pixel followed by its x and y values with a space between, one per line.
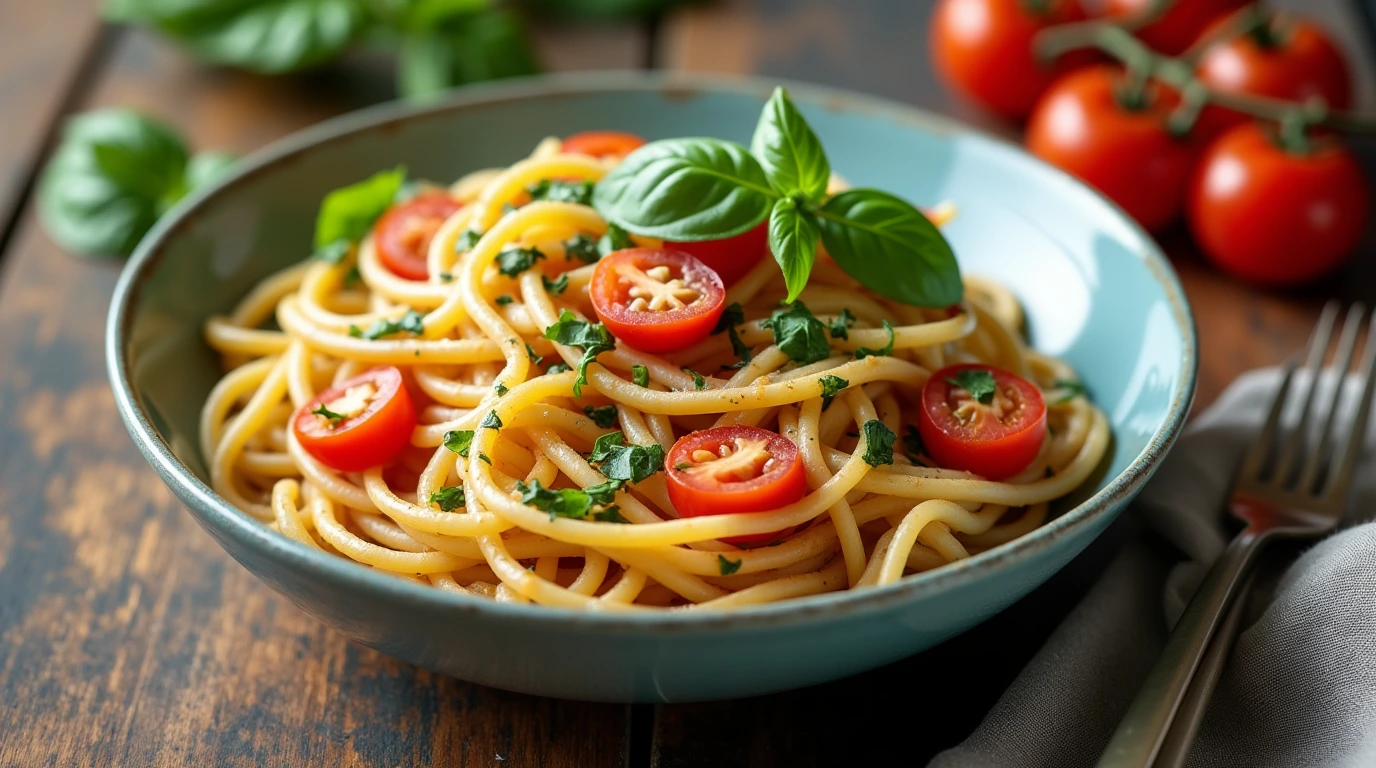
pixel 841 324
pixel 560 191
pixel 799 334
pixel 412 322
pixel 603 416
pixel 491 421
pixel 449 499
pixel 884 351
pixel 831 387
pixel 500 389
pixel 534 358
pixel 503 300
pixel 978 382
pixel 699 383
pixel 912 443
pixel 592 338
pixel 512 261
pixel 640 375
pixel 459 441
pixel 728 567
pixel 558 286
pixel 333 417
pixel 581 247
pixel 879 441
pixel 574 503
pixel 628 463
pixel 467 240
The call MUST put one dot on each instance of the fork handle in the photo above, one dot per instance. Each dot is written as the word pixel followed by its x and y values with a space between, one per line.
pixel 1139 736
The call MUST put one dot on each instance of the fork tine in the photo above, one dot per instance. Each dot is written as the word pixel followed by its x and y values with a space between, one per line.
pixel 1255 459
pixel 1347 346
pixel 1346 459
pixel 1318 350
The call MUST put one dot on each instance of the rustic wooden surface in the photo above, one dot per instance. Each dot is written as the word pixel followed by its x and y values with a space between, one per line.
pixel 128 638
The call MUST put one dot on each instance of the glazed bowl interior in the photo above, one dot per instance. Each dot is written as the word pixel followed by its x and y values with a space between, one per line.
pixel 1095 290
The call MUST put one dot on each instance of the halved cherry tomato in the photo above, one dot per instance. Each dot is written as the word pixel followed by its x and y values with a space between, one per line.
pixel 1273 216
pixel 1284 58
pixel 725 470
pixel 369 421
pixel 730 257
pixel 603 143
pixel 983 50
pixel 405 231
pixel 1083 127
pixel 656 300
pixel 1182 23
pixel 995 440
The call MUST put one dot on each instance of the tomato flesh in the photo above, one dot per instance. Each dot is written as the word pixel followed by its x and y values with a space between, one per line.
pixel 603 143
pixel 1276 217
pixel 656 300
pixel 995 440
pixel 405 231
pixel 730 257
pixel 377 420
pixel 726 470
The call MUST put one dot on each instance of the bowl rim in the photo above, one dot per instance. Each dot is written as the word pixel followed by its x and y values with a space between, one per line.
pixel 225 520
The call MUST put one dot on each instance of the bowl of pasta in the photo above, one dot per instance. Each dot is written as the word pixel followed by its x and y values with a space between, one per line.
pixel 632 387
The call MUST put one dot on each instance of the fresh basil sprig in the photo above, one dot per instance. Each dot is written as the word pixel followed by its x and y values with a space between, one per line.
pixel 708 189
pixel 346 214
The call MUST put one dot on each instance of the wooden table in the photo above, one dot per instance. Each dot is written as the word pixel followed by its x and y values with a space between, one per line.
pixel 127 637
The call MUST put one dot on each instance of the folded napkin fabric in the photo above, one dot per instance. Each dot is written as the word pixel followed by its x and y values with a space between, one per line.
pixel 1299 688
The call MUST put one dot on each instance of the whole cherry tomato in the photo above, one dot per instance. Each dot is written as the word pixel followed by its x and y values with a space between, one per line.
pixel 603 143
pixel 1291 59
pixel 656 300
pixel 725 470
pixel 1275 216
pixel 730 257
pixel 1125 151
pixel 1182 23
pixel 981 419
pixel 364 422
pixel 982 49
pixel 405 231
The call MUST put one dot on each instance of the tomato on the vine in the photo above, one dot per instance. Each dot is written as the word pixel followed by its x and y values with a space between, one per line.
pixel 404 233
pixel 983 50
pixel 1083 126
pixel 655 299
pixel 361 423
pixel 730 257
pixel 603 143
pixel 1182 23
pixel 981 419
pixel 1290 59
pixel 725 470
pixel 1275 216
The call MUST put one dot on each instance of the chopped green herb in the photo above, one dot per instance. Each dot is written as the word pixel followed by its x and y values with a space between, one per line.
pixel 412 322
pixel 831 387
pixel 486 460
pixel 446 277
pixel 559 367
pixel 503 300
pixel 491 421
pixel 592 338
pixel 630 463
pixel 841 324
pixel 699 383
pixel 728 567
pixel 534 358
pixel 581 247
pixel 560 191
pixel 609 514
pixel 879 441
pixel 467 240
pixel 450 498
pixel 352 277
pixel 884 351
pixel 574 503
pixel 730 317
pixel 459 441
pixel 556 287
pixel 514 260
pixel 603 416
pixel 912 442
pixel 1072 389
pixel 798 334
pixel 333 417
pixel 978 382
pixel 615 240
pixel 500 389
pixel 640 375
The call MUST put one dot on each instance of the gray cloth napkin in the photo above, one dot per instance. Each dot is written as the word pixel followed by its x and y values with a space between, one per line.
pixel 1299 688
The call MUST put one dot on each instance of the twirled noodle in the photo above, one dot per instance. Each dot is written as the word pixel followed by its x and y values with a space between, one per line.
pixel 858 526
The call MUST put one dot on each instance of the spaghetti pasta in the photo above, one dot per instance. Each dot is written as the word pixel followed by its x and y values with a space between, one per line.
pixel 471 343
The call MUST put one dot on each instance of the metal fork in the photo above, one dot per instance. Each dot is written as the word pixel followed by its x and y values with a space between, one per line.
pixel 1287 485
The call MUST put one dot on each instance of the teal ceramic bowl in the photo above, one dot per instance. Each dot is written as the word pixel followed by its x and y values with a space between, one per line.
pixel 1095 288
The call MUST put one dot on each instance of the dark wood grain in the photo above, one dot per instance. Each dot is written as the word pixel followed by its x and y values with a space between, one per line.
pixel 127 637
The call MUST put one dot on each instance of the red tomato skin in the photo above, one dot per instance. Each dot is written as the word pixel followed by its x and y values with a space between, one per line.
pixel 403 257
pixel 602 143
pixel 656 332
pixel 1179 26
pixel 730 257
pixel 778 488
pixel 1128 155
pixel 373 437
pixel 982 49
pixel 996 458
pixel 1271 217
pixel 1305 64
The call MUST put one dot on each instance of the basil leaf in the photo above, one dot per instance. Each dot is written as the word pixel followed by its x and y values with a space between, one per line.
pixel 593 338
pixel 560 191
pixel 793 241
pixel 346 214
pixel 574 503
pixel 633 463
pixel 561 367
pixel 329 415
pixel 412 322
pixel 699 383
pixel 114 174
pixel 581 247
pixel 459 441
pixel 503 300
pixel 491 421
pixel 603 416
pixel 500 389
pixel 879 440
pixel 978 382
pixel 840 325
pixel 604 445
pixel 556 287
pixel 789 151
pixel 424 15
pixel 465 49
pixel 731 317
pixel 609 514
pixel 616 238
pixel 831 387
pixel 208 167
pixel 450 498
pixel 912 443
pixel 513 260
pixel 891 248
pixel 799 334
pixel 727 567
pixel 686 190
pixel 884 351
pixel 466 240
pixel 640 375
